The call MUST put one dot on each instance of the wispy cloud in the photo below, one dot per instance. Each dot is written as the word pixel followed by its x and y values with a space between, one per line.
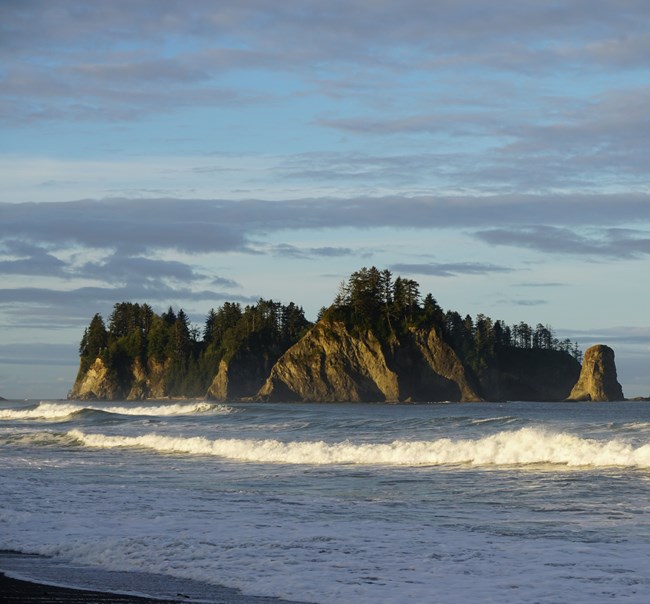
pixel 95 74
pixel 609 243
pixel 291 251
pixel 528 302
pixel 119 268
pixel 51 308
pixel 197 226
pixel 450 269
pixel 38 353
pixel 542 284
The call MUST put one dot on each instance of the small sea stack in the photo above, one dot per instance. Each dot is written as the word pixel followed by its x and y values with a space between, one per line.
pixel 598 380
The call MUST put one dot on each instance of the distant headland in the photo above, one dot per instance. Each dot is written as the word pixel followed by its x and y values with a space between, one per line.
pixel 380 340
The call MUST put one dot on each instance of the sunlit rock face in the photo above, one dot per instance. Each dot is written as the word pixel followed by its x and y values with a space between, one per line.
pixel 329 365
pixel 598 380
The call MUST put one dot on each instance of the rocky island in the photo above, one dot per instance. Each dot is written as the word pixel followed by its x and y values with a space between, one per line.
pixel 380 340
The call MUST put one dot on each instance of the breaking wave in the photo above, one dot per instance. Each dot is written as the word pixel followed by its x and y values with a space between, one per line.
pixel 526 446
pixel 53 411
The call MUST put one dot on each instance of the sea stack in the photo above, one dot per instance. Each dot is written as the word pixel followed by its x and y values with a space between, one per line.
pixel 597 381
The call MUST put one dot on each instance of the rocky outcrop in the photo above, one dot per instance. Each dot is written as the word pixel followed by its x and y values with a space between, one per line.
pixel 148 382
pixel 442 375
pixel 329 364
pixel 94 383
pixel 219 388
pixel 97 382
pixel 242 375
pixel 333 363
pixel 598 380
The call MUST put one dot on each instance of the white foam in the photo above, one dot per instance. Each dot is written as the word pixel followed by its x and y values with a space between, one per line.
pixel 42 411
pixel 163 410
pixel 308 553
pixel 53 411
pixel 508 448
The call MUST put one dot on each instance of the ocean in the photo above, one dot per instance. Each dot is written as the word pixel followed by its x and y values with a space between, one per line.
pixel 332 503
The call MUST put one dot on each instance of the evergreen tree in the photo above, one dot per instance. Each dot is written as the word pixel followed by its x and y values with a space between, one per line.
pixel 94 341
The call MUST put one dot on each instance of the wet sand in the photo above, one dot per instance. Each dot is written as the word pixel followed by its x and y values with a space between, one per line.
pixel 51 588
pixel 14 591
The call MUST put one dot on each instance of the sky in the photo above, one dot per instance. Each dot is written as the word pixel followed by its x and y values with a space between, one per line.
pixel 188 153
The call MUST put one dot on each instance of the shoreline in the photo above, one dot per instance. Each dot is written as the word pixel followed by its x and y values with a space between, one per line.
pixel 36 579
pixel 20 591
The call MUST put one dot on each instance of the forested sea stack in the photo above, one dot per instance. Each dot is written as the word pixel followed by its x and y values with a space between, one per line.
pixel 380 340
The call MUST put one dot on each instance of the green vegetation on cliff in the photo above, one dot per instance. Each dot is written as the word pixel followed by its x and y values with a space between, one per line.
pixel 372 300
pixel 137 337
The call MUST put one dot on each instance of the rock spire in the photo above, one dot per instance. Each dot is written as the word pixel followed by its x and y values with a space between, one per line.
pixel 598 380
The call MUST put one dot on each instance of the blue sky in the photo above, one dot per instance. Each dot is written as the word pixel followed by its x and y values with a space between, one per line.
pixel 193 152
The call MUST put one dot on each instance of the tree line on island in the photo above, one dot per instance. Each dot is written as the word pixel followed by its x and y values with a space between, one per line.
pixel 136 333
pixel 370 300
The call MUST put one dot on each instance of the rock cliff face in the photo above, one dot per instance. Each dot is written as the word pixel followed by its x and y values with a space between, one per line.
pixel 330 364
pixel 440 374
pixel 149 382
pixel 94 384
pixel 244 374
pixel 598 380
pixel 98 383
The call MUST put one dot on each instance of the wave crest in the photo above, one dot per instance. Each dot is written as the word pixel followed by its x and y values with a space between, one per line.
pixel 54 411
pixel 526 446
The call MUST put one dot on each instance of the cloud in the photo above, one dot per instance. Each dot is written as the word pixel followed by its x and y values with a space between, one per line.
pixel 224 282
pixel 116 268
pixel 573 142
pixel 40 353
pixel 202 226
pixel 528 302
pixel 26 258
pixel 119 268
pixel 503 113
pixel 130 225
pixel 69 59
pixel 543 284
pixel 127 241
pixel 609 243
pixel 450 269
pixel 404 169
pixel 57 308
pixel 621 335
pixel 291 251
pixel 419 124
pixel 350 28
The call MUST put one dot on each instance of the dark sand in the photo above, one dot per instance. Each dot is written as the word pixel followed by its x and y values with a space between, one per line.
pixel 13 591
pixel 167 590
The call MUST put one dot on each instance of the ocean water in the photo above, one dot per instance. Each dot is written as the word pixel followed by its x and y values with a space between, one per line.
pixel 338 503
